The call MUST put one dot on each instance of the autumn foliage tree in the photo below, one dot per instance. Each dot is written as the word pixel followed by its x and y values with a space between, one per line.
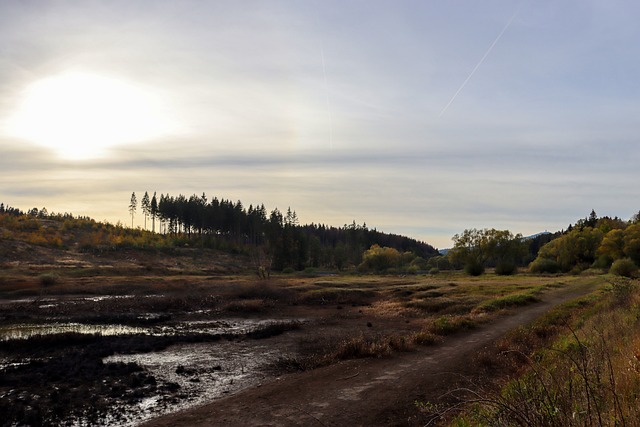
pixel 477 249
pixel 592 242
pixel 379 259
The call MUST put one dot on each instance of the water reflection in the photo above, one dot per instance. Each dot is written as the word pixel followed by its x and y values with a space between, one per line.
pixel 225 326
pixel 24 331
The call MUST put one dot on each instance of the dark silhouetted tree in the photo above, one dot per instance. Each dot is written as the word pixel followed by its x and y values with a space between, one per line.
pixel 133 204
pixel 153 210
pixel 145 204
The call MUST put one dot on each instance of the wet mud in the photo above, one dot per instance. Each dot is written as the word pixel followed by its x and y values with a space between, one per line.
pixel 121 369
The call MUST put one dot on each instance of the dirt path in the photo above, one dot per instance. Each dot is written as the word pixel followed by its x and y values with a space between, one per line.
pixel 371 392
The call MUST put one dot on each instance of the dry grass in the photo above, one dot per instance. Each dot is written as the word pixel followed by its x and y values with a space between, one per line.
pixel 248 306
pixel 578 366
pixel 377 346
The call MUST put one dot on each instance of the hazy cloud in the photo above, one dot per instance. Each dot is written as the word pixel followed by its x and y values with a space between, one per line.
pixel 333 108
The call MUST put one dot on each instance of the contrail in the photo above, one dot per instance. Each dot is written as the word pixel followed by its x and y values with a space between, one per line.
pixel 464 83
pixel 326 91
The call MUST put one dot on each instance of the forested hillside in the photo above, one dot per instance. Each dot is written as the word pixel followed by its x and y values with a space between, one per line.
pixel 273 240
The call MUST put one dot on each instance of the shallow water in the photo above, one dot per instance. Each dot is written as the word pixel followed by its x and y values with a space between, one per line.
pixel 205 372
pixel 221 326
pixel 199 372
pixel 25 330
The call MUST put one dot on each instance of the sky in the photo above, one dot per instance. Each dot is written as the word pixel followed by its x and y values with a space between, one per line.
pixel 422 118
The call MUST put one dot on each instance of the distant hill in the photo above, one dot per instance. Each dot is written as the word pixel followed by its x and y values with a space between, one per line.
pixel 535 236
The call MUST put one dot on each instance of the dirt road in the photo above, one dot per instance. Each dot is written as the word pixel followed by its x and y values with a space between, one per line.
pixel 371 392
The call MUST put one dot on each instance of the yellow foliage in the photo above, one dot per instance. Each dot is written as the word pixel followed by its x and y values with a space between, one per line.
pixel 380 258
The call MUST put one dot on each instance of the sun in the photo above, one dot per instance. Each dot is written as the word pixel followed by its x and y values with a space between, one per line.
pixel 81 115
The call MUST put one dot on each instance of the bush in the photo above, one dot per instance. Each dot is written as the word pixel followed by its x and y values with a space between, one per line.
pixel 544 265
pixel 412 269
pixel 474 269
pixel 624 267
pixel 379 259
pixel 48 279
pixel 506 269
pixel 623 291
pixel 310 272
pixel 434 271
pixel 603 262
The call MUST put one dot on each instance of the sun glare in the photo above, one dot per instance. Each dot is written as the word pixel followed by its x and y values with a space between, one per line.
pixel 81 115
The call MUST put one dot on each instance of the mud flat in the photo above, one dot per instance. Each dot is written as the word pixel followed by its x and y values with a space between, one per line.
pixel 59 372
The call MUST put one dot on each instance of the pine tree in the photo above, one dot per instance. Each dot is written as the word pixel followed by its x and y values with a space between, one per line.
pixel 145 204
pixel 153 209
pixel 133 205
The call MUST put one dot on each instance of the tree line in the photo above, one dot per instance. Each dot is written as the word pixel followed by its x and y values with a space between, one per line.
pixel 607 244
pixel 275 239
pixel 601 243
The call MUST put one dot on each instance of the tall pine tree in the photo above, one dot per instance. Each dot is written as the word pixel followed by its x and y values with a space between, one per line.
pixel 133 205
pixel 145 204
pixel 153 210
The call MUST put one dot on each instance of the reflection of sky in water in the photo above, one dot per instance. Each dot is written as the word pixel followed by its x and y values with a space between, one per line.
pixel 213 370
pixel 24 331
pixel 229 326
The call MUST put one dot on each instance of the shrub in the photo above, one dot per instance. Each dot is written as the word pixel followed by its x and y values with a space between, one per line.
pixel 48 279
pixel 506 269
pixel 623 291
pixel 474 269
pixel 309 272
pixel 419 263
pixel 624 267
pixel 412 269
pixel 544 265
pixel 379 259
pixel 603 262
pixel 434 271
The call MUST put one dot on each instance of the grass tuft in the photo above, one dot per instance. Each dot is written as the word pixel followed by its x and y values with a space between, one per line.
pixel 507 301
